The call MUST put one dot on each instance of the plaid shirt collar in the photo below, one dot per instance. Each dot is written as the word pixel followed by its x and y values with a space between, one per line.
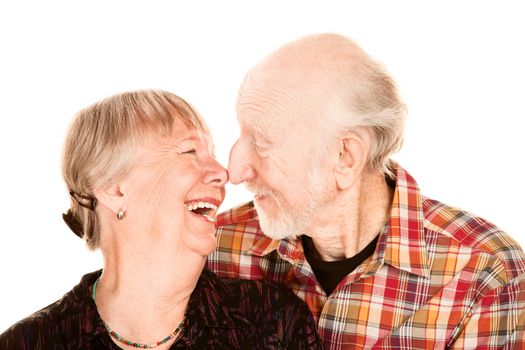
pixel 401 243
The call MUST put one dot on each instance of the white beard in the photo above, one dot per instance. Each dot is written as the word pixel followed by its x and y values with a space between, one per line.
pixel 284 226
pixel 288 224
pixel 292 223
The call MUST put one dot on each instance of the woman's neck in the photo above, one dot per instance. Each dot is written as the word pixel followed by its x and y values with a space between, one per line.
pixel 144 290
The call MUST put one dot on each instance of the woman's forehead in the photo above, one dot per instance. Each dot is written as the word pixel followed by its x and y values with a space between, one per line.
pixel 190 135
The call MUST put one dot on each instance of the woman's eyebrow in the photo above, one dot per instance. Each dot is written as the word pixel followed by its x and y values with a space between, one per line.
pixel 178 141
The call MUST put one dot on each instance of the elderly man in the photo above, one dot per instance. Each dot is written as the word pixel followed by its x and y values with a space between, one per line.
pixel 345 227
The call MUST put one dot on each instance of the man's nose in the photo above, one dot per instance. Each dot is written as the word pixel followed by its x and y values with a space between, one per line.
pixel 240 167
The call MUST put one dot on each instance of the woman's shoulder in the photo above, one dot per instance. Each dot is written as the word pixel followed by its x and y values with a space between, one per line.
pixel 31 331
pixel 276 317
pixel 261 292
pixel 53 323
pixel 257 300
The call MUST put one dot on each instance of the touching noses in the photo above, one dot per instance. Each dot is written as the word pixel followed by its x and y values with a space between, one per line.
pixel 239 167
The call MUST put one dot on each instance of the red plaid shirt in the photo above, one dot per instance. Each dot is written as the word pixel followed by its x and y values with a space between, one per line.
pixel 439 278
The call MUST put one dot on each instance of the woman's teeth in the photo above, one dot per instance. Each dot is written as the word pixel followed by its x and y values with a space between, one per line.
pixel 204 209
pixel 196 205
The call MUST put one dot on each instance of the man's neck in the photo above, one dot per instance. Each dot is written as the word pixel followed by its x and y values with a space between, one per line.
pixel 348 223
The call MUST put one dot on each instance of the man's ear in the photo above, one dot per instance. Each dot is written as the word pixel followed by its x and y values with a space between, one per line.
pixel 113 197
pixel 353 154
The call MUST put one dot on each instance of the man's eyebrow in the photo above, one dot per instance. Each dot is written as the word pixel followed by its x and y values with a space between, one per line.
pixel 262 136
pixel 257 130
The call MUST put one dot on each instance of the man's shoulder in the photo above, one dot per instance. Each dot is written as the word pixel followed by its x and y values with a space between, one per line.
pixel 472 231
pixel 238 215
pixel 240 244
pixel 239 224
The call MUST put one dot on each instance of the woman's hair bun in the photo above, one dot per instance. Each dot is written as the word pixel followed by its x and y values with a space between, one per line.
pixel 73 223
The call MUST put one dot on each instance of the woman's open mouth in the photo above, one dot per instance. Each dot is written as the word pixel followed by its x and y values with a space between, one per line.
pixel 203 209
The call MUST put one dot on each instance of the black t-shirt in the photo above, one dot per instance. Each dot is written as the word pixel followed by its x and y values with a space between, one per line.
pixel 330 273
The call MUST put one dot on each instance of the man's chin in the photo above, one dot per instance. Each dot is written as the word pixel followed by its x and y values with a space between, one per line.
pixel 276 235
pixel 275 229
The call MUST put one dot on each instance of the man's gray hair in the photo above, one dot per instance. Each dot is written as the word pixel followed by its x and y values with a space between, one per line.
pixel 370 99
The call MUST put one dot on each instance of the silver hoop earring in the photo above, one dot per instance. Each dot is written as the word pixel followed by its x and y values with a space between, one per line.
pixel 120 214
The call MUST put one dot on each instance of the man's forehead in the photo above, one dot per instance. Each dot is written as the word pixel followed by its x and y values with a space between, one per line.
pixel 281 98
pixel 265 110
pixel 261 126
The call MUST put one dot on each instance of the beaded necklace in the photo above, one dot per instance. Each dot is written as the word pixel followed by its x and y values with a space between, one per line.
pixel 128 342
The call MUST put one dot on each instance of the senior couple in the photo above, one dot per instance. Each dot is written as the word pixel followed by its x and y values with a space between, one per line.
pixel 339 249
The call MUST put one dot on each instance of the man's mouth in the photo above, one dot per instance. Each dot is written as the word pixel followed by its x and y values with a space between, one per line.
pixel 262 194
pixel 203 209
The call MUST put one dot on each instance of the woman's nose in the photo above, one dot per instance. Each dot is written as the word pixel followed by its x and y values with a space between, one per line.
pixel 216 174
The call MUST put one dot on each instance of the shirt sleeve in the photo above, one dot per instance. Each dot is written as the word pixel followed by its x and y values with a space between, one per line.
pixel 21 336
pixel 498 321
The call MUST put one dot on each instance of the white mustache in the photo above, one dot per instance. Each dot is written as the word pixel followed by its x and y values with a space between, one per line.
pixel 255 189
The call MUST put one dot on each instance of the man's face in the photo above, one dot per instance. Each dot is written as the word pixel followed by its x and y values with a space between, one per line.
pixel 278 158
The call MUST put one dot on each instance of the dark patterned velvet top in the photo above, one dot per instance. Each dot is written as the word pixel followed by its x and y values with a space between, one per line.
pixel 222 314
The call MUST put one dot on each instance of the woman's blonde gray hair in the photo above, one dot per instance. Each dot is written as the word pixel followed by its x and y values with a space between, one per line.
pixel 101 142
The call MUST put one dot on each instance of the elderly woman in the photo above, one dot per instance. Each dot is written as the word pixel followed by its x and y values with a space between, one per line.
pixel 145 188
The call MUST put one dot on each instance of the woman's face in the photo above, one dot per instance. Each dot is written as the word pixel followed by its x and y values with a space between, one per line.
pixel 174 191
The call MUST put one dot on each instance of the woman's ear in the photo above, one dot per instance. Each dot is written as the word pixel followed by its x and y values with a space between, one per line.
pixel 353 154
pixel 112 197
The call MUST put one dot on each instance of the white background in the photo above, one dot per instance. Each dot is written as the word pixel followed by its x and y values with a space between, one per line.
pixel 459 64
